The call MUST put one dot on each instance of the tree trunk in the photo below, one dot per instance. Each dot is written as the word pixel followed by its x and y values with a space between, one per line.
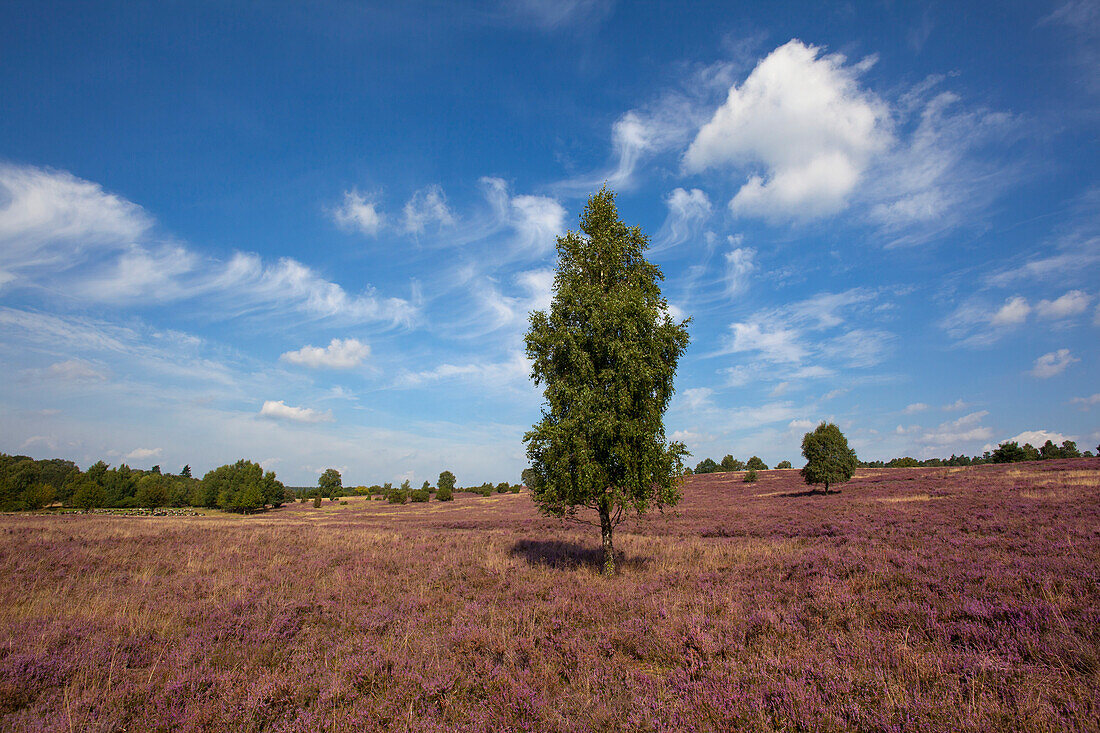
pixel 608 546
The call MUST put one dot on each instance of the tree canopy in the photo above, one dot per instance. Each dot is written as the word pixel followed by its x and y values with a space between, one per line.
pixel 829 460
pixel 606 355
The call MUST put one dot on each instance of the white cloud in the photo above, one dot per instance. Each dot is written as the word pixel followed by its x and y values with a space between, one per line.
pixel 339 354
pixel 509 374
pixel 536 220
pixel 1086 402
pixel 956 405
pixel 427 206
pixel 1035 437
pixel 696 398
pixel 279 410
pixel 1070 304
pixel 935 179
pixel 71 370
pixel 963 430
pixel 358 213
pixel 800 426
pixel 550 15
pixel 687 211
pixel 1052 364
pixel 860 348
pixel 539 285
pixel 740 263
pixel 51 218
pixel 776 345
pixel 803 117
pixel 914 408
pixel 1012 313
pixel 139 454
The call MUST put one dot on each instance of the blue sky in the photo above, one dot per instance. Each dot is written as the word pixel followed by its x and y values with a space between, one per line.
pixel 310 233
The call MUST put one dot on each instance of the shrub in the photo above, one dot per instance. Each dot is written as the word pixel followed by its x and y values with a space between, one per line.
pixel 316 501
pixel 515 488
pixel 756 464
pixel 444 493
pixel 783 464
pixel 750 477
pixel 398 496
pixel 420 495
pixel 503 487
pixel 446 481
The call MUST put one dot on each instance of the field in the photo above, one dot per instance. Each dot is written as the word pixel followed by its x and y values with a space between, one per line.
pixel 914 599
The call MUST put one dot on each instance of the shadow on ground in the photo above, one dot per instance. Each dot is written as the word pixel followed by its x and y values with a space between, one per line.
pixel 570 555
pixel 811 492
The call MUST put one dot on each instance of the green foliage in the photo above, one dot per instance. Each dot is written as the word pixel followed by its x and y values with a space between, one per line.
pixel 186 471
pixel 398 496
pixel 750 477
pixel 606 355
pixel 426 487
pixel 406 485
pixel 317 500
pixel 829 460
pixel 152 490
pixel 783 464
pixel 729 463
pixel 330 482
pixel 756 464
pixel 446 481
pixel 1009 452
pixel 445 492
pixel 905 462
pixel 419 495
pixel 529 477
pixel 707 465
pixel 503 487
pixel 687 471
pixel 514 489
pixel 243 487
pixel 26 483
pixel 89 495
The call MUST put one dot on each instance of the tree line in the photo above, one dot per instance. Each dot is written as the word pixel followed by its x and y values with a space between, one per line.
pixel 729 463
pixel 1006 452
pixel 29 484
pixel 330 486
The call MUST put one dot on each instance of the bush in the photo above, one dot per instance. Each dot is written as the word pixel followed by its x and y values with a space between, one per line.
pixel 756 464
pixel 398 496
pixel 750 477
pixel 317 501
pixel 783 464
pixel 503 487
pixel 420 495
pixel 444 493
pixel 515 488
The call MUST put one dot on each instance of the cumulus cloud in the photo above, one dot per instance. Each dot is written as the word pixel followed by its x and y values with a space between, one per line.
pixel 914 408
pixel 1035 437
pixel 140 454
pixel 696 398
pixel 339 354
pixel 1012 313
pixel 279 410
pixel 426 207
pixel 1052 364
pixel 1070 304
pixel 357 213
pixel 804 118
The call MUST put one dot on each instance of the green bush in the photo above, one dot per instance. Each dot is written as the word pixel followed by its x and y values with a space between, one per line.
pixel 783 464
pixel 515 488
pixel 444 494
pixel 398 496
pixel 750 477
pixel 420 495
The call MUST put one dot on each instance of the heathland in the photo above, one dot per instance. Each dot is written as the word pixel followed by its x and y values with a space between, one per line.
pixel 913 599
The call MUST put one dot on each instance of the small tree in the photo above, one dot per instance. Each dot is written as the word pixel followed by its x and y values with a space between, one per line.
pixel 606 352
pixel 707 465
pixel 829 460
pixel 446 482
pixel 330 483
pixel 755 464
pixel 1009 452
pixel 783 464
pixel 186 471
pixel 750 477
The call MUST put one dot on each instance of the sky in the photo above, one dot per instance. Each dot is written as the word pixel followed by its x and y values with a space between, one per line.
pixel 310 233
